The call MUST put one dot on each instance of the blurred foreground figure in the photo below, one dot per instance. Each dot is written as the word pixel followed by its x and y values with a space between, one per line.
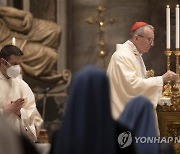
pixel 88 127
pixel 139 117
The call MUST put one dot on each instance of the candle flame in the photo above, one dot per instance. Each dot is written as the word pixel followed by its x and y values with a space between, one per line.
pixel 167 6
pixel 13 41
pixel 177 5
pixel 101 23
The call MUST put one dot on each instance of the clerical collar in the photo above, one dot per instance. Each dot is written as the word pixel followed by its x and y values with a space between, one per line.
pixel 133 47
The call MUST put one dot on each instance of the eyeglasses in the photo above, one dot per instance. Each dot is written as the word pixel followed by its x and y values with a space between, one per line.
pixel 150 40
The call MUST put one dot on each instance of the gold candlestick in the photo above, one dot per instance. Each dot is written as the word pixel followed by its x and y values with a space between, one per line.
pixel 168 54
pixel 175 97
pixel 177 54
pixel 177 81
pixel 167 87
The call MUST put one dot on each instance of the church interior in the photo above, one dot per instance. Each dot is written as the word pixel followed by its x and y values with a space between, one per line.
pixel 86 32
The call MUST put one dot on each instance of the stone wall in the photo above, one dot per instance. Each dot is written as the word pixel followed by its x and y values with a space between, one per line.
pixel 82 41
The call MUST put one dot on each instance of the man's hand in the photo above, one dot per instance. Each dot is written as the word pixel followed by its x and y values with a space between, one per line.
pixel 14 107
pixel 169 76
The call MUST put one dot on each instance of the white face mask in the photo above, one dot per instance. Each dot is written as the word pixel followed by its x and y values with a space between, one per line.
pixel 13 71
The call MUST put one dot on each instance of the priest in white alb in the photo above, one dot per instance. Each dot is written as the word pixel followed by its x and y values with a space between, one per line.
pixel 17 102
pixel 127 72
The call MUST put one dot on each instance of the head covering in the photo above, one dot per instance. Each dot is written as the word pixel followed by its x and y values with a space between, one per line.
pixel 138 116
pixel 87 127
pixel 137 25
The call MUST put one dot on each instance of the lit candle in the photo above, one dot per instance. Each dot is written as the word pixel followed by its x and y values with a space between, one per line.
pixel 168 27
pixel 177 27
pixel 13 41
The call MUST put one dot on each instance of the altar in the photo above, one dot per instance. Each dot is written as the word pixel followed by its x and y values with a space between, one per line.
pixel 168 111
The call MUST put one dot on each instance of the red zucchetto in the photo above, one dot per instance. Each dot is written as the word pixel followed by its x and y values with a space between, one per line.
pixel 137 25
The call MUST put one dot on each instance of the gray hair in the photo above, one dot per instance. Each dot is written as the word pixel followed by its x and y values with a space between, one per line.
pixel 140 30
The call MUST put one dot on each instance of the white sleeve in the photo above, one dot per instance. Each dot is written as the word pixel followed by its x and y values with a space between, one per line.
pixel 29 105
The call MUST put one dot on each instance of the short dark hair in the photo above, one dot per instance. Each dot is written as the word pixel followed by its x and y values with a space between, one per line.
pixel 9 50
